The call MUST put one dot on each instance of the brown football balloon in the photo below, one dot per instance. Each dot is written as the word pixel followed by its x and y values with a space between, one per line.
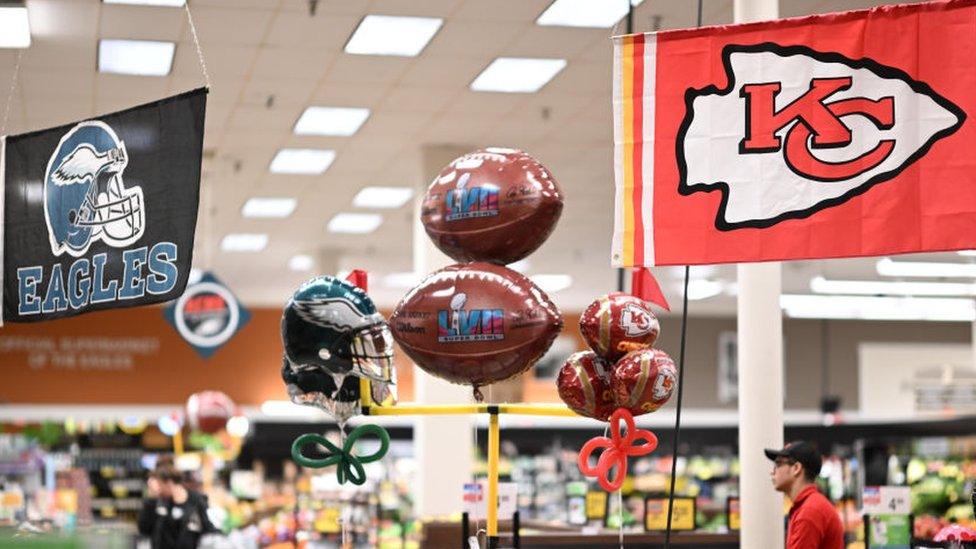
pixel 496 205
pixel 475 324
pixel 642 381
pixel 618 323
pixel 584 385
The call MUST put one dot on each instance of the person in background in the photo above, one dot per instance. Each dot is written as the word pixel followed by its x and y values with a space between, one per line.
pixel 813 521
pixel 173 517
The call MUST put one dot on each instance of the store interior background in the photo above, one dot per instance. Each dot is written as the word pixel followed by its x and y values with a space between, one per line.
pixel 270 59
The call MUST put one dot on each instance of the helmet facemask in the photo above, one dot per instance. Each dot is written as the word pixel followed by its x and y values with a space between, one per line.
pixel 372 352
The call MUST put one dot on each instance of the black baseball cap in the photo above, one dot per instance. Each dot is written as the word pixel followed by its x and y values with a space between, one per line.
pixel 800 451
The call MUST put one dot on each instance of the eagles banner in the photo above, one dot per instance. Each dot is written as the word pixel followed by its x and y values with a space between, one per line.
pixel 101 214
pixel 840 135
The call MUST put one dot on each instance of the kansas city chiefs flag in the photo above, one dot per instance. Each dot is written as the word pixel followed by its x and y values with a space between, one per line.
pixel 840 135
pixel 101 213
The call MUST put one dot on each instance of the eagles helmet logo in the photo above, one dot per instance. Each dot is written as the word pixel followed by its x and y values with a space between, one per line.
pixel 85 198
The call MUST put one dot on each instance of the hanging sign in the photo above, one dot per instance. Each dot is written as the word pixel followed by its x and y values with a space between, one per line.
pixel 207 315
pixel 798 138
pixel 101 214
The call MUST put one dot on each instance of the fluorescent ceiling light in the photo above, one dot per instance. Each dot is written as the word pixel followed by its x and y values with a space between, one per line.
pixel 355 223
pixel 392 35
pixel 301 263
pixel 701 288
pixel 138 57
pixel 517 74
pixel 402 280
pixel 887 267
pixel 302 161
pixel 821 285
pixel 14 27
pixel 584 13
pixel 382 197
pixel 341 121
pixel 551 283
pixel 163 3
pixel 878 308
pixel 967 253
pixel 244 242
pixel 269 207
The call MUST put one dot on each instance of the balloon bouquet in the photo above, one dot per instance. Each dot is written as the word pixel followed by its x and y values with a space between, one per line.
pixel 478 322
pixel 621 377
pixel 333 337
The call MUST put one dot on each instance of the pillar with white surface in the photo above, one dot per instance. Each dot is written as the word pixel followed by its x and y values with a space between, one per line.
pixel 442 444
pixel 760 361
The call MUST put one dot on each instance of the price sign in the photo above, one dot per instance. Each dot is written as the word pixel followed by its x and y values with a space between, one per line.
pixel 596 505
pixel 733 514
pixel 886 500
pixel 656 514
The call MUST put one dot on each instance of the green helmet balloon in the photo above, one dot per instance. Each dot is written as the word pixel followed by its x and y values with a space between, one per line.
pixel 331 324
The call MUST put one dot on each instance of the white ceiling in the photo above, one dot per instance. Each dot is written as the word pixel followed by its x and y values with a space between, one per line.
pixel 269 59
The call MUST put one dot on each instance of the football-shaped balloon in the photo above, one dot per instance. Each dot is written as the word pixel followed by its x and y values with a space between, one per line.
pixel 208 411
pixel 496 205
pixel 475 324
pixel 617 323
pixel 642 381
pixel 584 385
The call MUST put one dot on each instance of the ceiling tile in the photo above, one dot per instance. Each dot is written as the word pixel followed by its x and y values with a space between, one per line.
pixel 142 22
pixel 501 10
pixel 296 63
pixel 229 25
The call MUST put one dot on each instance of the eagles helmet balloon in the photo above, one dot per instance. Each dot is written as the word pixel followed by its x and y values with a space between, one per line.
pixel 337 394
pixel 85 198
pixel 333 326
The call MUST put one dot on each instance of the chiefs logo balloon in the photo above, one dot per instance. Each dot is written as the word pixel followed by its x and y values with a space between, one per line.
pixel 617 323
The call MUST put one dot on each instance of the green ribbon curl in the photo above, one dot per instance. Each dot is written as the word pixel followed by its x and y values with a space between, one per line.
pixel 349 466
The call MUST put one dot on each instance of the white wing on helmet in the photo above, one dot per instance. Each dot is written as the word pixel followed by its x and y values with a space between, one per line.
pixel 80 164
pixel 332 312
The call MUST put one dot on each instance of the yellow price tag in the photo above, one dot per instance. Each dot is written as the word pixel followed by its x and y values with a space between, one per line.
pixel 327 521
pixel 596 505
pixel 656 514
pixel 735 516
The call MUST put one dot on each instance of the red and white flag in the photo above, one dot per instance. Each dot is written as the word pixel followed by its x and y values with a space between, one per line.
pixel 840 135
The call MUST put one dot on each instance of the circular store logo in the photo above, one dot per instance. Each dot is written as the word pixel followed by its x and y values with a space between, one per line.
pixel 207 315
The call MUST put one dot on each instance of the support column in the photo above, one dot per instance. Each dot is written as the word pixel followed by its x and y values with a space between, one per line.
pixel 760 361
pixel 442 444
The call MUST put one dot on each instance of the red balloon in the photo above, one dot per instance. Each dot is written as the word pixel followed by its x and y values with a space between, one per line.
pixel 208 411
pixel 643 381
pixel 475 324
pixel 617 323
pixel 584 385
pixel 496 205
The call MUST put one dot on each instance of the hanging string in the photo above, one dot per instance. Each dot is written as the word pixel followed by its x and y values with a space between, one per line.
pixel 681 386
pixel 196 42
pixel 10 94
pixel 620 515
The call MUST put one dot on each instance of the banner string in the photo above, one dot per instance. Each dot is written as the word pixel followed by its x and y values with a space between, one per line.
pixel 681 386
pixel 10 94
pixel 196 42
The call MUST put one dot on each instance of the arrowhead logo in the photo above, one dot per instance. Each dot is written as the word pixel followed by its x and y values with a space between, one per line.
pixel 797 131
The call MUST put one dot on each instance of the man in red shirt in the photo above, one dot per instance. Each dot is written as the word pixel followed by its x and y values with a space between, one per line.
pixel 814 523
